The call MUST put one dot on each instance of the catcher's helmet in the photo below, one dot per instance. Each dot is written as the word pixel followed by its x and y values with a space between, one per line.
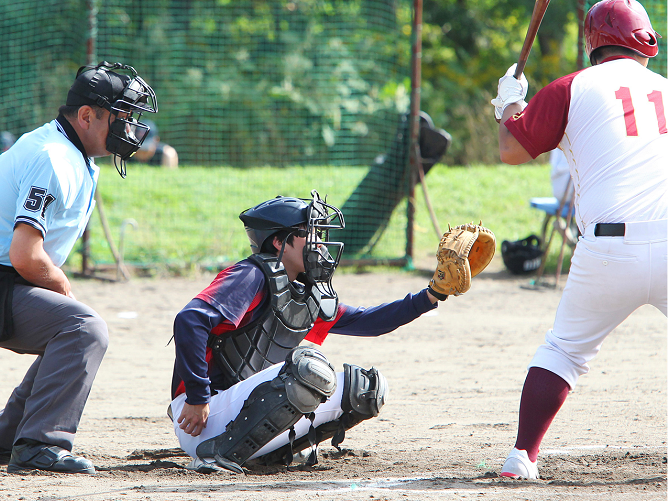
pixel 305 218
pixel 125 93
pixel 522 256
pixel 624 23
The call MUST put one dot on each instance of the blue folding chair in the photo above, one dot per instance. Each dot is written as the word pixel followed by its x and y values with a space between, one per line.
pixel 549 205
pixel 562 223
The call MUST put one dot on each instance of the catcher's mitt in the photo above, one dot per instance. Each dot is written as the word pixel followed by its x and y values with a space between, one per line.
pixel 464 251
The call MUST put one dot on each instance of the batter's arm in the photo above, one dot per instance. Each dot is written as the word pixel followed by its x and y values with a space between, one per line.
pixel 510 150
pixel 30 260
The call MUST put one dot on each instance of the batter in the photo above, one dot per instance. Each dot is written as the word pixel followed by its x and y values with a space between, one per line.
pixel 610 122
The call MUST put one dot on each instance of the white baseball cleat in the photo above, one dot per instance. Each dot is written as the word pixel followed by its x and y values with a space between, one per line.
pixel 201 466
pixel 518 465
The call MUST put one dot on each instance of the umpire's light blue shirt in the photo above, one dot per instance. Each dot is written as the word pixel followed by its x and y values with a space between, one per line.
pixel 47 183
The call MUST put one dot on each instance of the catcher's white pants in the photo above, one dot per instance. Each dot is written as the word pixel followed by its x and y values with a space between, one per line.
pixel 226 405
pixel 609 278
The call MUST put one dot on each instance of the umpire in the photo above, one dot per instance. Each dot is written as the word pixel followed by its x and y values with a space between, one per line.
pixel 47 183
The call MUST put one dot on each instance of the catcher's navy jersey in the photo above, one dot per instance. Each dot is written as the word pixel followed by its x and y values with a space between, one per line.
pixel 235 297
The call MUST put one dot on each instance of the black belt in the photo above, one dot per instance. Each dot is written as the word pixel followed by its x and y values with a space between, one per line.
pixel 609 230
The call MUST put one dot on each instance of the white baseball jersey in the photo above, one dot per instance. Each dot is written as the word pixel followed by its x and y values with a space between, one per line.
pixel 610 121
pixel 47 183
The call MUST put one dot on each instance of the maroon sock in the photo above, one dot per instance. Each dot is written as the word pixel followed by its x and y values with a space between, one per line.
pixel 543 395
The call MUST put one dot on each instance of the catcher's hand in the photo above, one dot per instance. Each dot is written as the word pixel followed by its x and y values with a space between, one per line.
pixel 464 251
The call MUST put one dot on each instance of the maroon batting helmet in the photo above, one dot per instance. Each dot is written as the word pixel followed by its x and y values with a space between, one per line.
pixel 624 23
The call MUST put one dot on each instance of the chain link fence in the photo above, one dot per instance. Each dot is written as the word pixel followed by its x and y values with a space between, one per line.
pixel 258 97
pixel 241 85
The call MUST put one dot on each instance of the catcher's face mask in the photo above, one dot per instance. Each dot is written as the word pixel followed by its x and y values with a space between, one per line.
pixel 321 256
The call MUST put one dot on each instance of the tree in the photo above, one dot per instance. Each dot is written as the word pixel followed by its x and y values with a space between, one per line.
pixel 468 45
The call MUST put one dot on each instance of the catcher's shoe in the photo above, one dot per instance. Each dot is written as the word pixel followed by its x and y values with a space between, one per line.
pixel 201 466
pixel 518 465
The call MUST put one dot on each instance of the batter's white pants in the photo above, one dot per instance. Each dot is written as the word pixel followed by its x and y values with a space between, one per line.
pixel 226 405
pixel 609 278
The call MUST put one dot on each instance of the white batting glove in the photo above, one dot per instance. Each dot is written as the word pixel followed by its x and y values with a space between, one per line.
pixel 511 90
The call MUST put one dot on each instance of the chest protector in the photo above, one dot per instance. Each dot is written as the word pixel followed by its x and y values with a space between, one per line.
pixel 286 319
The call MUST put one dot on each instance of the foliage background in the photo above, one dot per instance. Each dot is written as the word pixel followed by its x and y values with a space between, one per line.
pixel 467 47
pixel 283 82
pixel 241 83
pixel 255 92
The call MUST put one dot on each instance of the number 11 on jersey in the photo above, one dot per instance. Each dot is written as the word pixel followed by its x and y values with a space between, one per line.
pixel 655 97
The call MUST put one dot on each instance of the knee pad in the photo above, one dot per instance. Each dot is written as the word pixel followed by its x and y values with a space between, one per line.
pixel 364 394
pixel 306 380
pixel 309 378
pixel 364 391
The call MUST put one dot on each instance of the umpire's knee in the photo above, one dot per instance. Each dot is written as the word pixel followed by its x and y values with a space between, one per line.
pixel 94 333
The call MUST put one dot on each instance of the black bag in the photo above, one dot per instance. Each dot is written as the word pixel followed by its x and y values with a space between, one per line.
pixel 522 256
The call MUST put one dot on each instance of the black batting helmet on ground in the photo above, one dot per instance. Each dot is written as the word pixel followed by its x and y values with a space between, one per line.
pixel 522 256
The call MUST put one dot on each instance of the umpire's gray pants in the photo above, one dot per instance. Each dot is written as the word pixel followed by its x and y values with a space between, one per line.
pixel 70 339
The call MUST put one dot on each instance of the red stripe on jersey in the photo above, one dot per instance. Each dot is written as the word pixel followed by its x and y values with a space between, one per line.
pixel 316 335
pixel 541 126
pixel 227 326
pixel 321 328
pixel 211 289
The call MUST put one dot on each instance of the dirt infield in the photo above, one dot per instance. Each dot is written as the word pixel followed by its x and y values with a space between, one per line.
pixel 455 379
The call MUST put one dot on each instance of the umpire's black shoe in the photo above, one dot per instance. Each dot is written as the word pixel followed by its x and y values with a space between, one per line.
pixel 4 455
pixel 39 456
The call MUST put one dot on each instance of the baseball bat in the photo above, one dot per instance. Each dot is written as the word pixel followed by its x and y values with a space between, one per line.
pixel 539 9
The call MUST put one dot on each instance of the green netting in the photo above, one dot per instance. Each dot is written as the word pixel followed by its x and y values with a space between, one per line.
pixel 258 97
pixel 35 74
pixel 659 17
pixel 240 84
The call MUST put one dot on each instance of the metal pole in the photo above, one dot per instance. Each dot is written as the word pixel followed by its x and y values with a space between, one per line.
pixel 90 59
pixel 581 16
pixel 92 32
pixel 414 126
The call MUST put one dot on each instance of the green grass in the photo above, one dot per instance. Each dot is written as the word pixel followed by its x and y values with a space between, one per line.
pixel 189 217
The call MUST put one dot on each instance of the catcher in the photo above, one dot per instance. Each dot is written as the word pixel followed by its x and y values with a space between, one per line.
pixel 243 387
